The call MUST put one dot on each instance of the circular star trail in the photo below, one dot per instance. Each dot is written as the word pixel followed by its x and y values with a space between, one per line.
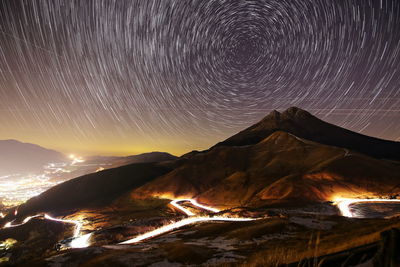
pixel 175 75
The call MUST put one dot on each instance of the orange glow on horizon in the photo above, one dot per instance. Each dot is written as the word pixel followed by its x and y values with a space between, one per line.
pixel 111 146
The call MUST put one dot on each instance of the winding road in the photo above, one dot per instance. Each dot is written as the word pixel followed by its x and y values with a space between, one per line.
pixel 187 221
pixel 344 204
pixel 82 241
pixel 79 241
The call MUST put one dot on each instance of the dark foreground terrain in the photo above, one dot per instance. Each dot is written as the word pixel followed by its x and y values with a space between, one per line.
pixel 285 237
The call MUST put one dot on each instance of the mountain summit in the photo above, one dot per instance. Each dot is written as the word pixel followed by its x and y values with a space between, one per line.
pixel 304 125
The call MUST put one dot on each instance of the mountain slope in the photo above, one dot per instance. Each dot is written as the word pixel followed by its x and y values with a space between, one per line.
pixel 92 190
pixel 144 157
pixel 281 168
pixel 304 125
pixel 17 157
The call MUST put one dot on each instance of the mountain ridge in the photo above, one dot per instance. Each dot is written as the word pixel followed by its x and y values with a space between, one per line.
pixel 17 156
pixel 293 120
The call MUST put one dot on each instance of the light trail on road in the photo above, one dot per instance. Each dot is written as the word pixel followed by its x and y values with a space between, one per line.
pixel 179 224
pixel 27 219
pixel 194 203
pixel 187 221
pixel 82 241
pixel 344 204
pixel 78 225
pixel 77 242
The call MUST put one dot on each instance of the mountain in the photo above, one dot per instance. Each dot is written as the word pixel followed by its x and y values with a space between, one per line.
pixel 280 168
pixel 142 158
pixel 92 190
pixel 304 125
pixel 98 163
pixel 248 169
pixel 18 157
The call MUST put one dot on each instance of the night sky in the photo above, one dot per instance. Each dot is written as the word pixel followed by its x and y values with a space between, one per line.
pixel 124 77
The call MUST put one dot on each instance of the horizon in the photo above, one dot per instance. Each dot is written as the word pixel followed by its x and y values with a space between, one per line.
pixel 135 151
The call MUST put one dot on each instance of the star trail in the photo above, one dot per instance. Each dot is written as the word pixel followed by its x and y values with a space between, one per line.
pixel 128 76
